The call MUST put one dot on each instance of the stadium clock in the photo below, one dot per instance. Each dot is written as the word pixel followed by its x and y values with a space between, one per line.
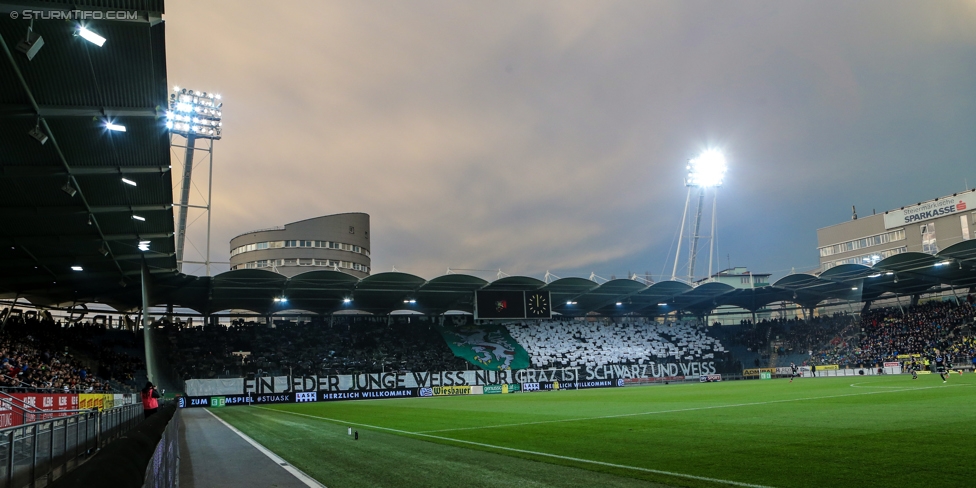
pixel 537 304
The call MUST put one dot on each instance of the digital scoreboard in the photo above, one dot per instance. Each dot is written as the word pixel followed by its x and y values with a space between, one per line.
pixel 506 304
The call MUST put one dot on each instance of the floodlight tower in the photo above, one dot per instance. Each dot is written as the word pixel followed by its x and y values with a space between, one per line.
pixel 194 116
pixel 705 171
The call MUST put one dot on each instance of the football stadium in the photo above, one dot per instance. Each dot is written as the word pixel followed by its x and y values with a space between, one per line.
pixel 134 356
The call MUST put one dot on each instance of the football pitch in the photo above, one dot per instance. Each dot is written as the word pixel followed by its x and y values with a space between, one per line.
pixel 866 431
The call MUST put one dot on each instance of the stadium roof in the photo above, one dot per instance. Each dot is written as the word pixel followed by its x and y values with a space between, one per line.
pixel 67 226
pixel 327 291
pixel 68 232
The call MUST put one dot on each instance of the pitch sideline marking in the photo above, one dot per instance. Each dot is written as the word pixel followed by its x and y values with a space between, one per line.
pixel 524 451
pixel 677 410
pixel 297 473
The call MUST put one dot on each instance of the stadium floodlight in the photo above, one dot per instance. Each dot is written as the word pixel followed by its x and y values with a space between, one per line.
pixel 90 36
pixel 70 190
pixel 114 127
pixel 194 114
pixel 139 218
pixel 280 300
pixel 876 275
pixel 347 300
pixel 943 263
pixel 619 304
pixel 707 170
pixel 37 133
pixel 77 268
pixel 662 304
pixel 853 288
pixel 31 44
pixel 143 245
pixel 129 182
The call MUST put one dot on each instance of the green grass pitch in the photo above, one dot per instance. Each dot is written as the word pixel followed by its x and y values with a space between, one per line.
pixel 886 431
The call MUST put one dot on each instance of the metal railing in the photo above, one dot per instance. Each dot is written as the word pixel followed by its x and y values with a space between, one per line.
pixel 36 453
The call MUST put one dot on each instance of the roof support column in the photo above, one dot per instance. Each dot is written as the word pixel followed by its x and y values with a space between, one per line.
pixel 146 328
pixel 898 299
pixel 10 312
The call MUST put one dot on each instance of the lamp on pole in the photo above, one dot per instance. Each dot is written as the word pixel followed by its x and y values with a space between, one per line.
pixel 195 116
pixel 706 171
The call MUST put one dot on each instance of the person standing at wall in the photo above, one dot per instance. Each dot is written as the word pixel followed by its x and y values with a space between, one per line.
pixel 149 399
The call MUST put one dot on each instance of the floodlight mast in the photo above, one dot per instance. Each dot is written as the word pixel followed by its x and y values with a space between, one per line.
pixel 705 171
pixel 193 115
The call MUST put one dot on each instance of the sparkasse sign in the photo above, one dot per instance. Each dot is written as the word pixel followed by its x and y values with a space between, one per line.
pixel 930 210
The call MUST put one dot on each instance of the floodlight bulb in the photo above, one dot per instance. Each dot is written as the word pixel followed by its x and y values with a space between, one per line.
pixel 76 268
pixel 129 182
pixel 91 36
pixel 707 170
pixel 114 127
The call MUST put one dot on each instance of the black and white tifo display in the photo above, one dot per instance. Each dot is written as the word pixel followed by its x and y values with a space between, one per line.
pixel 325 388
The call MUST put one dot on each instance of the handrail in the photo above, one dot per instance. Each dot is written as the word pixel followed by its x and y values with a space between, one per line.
pixel 23 404
pixel 44 450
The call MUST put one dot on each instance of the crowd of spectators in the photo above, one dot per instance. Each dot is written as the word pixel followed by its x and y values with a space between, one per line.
pixel 885 333
pixel 346 345
pixel 34 354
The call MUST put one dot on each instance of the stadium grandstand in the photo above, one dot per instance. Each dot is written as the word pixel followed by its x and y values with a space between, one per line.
pixel 87 223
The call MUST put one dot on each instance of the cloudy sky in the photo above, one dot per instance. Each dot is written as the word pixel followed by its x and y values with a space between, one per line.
pixel 553 135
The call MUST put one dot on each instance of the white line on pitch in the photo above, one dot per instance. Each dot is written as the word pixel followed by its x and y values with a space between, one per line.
pixel 524 451
pixel 304 478
pixel 677 410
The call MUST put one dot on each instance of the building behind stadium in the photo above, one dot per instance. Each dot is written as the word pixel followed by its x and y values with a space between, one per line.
pixel 926 227
pixel 339 242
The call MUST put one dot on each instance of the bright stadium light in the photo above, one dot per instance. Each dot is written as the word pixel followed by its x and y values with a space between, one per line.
pixel 144 245
pixel 347 300
pixel 194 114
pixel 707 170
pixel 77 268
pixel 91 36
pixel 129 182
pixel 114 127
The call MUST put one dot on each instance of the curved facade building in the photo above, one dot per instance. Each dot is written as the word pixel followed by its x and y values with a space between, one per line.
pixel 339 242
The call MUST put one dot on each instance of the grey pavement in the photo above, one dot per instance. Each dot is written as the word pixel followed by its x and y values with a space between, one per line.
pixel 213 455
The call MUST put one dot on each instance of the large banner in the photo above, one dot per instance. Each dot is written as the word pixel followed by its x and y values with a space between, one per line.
pixel 13 415
pixel 930 210
pixel 285 389
pixel 486 346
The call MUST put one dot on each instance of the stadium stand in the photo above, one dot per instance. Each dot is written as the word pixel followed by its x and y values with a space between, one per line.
pixel 886 333
pixel 83 358
pixel 575 343
pixel 348 345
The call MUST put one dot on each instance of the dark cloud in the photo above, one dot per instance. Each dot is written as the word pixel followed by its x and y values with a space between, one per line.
pixel 534 136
